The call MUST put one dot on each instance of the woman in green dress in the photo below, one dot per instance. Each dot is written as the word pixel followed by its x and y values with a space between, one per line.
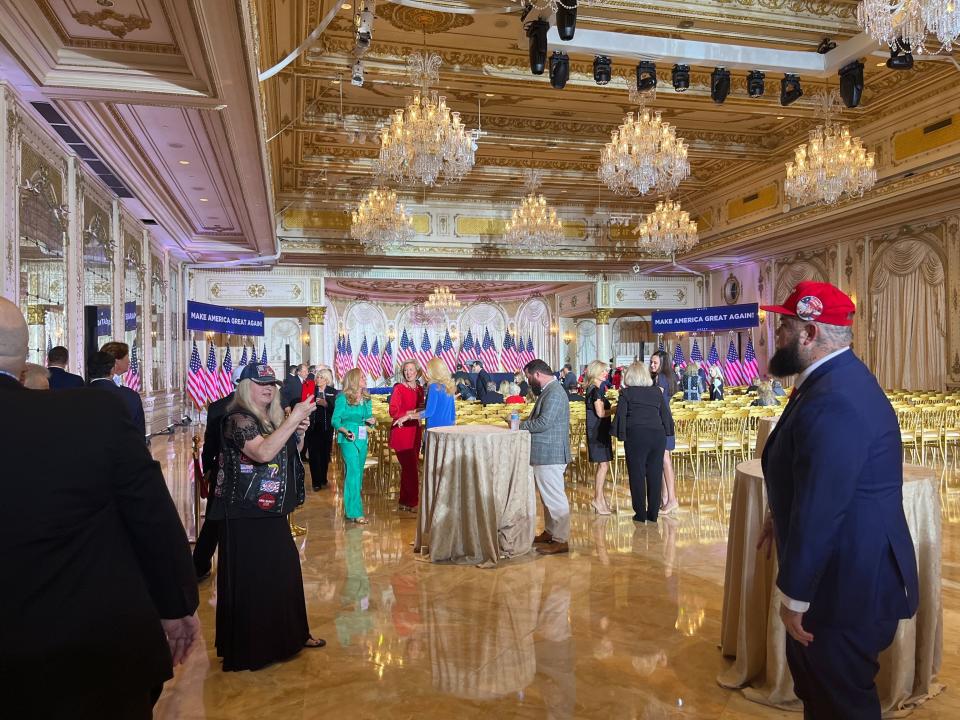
pixel 352 419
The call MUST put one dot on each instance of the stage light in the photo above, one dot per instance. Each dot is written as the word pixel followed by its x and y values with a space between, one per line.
pixel 755 86
pixel 851 83
pixel 790 90
pixel 825 46
pixel 559 70
pixel 680 75
pixel 900 56
pixel 719 85
pixel 537 35
pixel 646 76
pixel 566 21
pixel 602 69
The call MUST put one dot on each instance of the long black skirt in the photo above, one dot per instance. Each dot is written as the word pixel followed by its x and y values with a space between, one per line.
pixel 261 611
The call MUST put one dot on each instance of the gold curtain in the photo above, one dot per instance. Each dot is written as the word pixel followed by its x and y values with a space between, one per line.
pixel 790 275
pixel 908 314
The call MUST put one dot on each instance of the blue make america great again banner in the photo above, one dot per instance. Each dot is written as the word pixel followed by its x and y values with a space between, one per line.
pixel 219 319
pixel 724 317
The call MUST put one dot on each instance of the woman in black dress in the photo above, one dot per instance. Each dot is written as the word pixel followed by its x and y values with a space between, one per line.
pixel 599 447
pixel 261 612
pixel 320 437
pixel 643 424
pixel 661 371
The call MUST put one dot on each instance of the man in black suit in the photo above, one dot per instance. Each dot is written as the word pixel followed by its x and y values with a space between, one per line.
pixel 101 595
pixel 100 370
pixel 491 396
pixel 568 380
pixel 209 463
pixel 292 390
pixel 60 379
pixel 483 379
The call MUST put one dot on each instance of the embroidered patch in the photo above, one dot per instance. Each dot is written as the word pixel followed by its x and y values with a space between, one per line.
pixel 265 501
pixel 809 308
pixel 246 468
pixel 270 486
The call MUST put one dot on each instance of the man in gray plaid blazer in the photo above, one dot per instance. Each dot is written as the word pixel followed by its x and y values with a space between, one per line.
pixel 549 428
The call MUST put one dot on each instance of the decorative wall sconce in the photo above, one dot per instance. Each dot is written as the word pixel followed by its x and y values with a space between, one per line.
pixel 567 337
pixel 454 333
pixel 306 338
pixel 554 329
pixel 762 314
pixel 391 333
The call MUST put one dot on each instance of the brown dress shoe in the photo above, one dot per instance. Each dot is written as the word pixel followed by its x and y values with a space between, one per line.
pixel 542 538
pixel 553 548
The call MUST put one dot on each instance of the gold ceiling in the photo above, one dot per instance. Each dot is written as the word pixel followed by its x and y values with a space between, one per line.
pixel 327 129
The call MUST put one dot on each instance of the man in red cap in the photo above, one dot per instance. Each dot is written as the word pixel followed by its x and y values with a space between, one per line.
pixel 834 476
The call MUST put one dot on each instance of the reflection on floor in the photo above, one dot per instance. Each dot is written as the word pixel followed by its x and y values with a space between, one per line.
pixel 626 626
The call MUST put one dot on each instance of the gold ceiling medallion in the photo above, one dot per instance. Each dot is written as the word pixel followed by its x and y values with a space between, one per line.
pixel 117 24
pixel 418 19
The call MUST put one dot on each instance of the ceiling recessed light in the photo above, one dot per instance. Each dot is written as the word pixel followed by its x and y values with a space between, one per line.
pixel 335 81
pixel 184 162
pixel 346 6
pixel 489 94
pixel 780 117
pixel 204 200
pixel 882 64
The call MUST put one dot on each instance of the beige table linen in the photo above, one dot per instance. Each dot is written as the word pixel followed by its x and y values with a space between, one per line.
pixel 751 630
pixel 478 501
pixel 764 427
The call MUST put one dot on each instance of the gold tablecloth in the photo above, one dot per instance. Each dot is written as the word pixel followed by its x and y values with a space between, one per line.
pixel 764 428
pixel 751 630
pixel 478 501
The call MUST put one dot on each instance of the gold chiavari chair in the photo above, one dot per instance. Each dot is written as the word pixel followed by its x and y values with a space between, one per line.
pixel 707 440
pixel 909 420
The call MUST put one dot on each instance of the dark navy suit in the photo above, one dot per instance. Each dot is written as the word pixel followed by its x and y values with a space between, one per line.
pixel 130 398
pixel 60 379
pixel 834 477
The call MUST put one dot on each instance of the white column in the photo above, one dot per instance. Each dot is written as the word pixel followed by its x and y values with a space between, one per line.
pixel 36 328
pixel 73 294
pixel 116 307
pixel 9 262
pixel 315 316
pixel 604 336
pixel 146 337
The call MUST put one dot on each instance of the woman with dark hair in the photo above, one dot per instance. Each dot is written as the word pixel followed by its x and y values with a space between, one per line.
pixel 661 370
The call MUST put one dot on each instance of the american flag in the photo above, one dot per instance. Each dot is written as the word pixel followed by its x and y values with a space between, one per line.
pixel 132 376
pixel 348 363
pixel 509 355
pixel 374 362
pixel 363 357
pixel 49 344
pixel 696 356
pixel 447 353
pixel 338 355
pixel 488 352
pixel 530 355
pixel 210 381
pixel 438 350
pixel 406 350
pixel 467 351
pixel 243 357
pixel 386 359
pixel 713 358
pixel 196 388
pixel 661 347
pixel 750 360
pixel 425 354
pixel 678 359
pixel 263 357
pixel 732 369
pixel 226 371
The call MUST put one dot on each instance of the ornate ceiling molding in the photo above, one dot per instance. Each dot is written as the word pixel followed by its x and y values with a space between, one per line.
pixel 414 19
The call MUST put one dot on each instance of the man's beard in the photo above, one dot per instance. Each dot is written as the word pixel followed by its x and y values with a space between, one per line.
pixel 787 361
pixel 535 386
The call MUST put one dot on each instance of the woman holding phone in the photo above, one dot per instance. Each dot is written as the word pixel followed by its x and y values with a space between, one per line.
pixel 352 419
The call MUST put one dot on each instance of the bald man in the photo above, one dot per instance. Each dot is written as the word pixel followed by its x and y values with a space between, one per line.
pixel 101 593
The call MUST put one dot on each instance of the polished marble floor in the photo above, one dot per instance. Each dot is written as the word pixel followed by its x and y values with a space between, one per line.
pixel 626 626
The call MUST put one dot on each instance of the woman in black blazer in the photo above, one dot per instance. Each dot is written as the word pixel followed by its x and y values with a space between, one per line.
pixel 320 436
pixel 643 424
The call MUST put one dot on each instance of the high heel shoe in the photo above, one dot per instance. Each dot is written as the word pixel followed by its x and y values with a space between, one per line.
pixel 671 508
pixel 600 510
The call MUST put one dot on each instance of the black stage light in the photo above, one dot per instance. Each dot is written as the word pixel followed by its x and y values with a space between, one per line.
pixel 851 83
pixel 566 21
pixel 790 90
pixel 680 77
pixel 900 56
pixel 537 34
pixel 825 46
pixel 755 87
pixel 646 75
pixel 602 69
pixel 559 70
pixel 719 84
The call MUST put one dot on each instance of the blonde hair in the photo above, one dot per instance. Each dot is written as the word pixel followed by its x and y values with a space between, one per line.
pixel 595 371
pixel 35 377
pixel 637 375
pixel 691 370
pixel 765 393
pixel 271 419
pixel 416 367
pixel 514 389
pixel 714 371
pixel 355 387
pixel 327 374
pixel 504 388
pixel 438 372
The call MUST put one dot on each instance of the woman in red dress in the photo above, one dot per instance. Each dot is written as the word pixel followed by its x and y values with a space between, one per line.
pixel 405 434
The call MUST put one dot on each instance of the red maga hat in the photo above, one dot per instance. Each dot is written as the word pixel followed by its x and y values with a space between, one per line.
pixel 817 302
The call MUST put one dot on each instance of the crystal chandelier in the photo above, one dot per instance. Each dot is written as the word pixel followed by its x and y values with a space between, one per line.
pixel 554 4
pixel 831 164
pixel 425 142
pixel 644 153
pixel 668 229
pixel 534 224
pixel 380 222
pixel 441 299
pixel 886 21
